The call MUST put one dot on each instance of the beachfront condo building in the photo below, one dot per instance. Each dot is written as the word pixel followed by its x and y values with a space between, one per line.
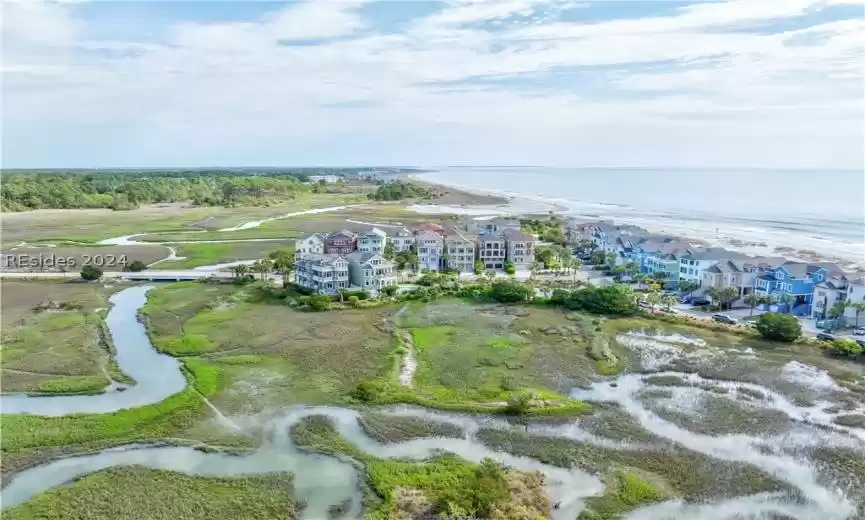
pixel 324 273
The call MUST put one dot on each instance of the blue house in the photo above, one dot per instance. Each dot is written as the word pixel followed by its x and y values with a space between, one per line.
pixel 791 284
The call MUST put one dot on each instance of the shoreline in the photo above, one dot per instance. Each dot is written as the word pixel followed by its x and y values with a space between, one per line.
pixel 745 240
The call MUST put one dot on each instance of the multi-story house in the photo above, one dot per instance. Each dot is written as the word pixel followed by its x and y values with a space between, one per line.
pixel 430 248
pixel 848 288
pixel 855 294
pixel 323 273
pixel 313 243
pixel 402 240
pixel 372 241
pixel 661 255
pixel 791 284
pixel 694 263
pixel 460 251
pixel 492 226
pixel 740 273
pixel 340 243
pixel 520 248
pixel 370 271
pixel 492 250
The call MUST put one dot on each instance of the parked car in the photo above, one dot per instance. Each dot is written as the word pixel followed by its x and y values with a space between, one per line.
pixel 723 318
pixel 700 300
pixel 685 299
pixel 861 342
pixel 859 331
pixel 825 336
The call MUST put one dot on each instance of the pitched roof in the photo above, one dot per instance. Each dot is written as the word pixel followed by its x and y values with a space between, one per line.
pixel 801 269
pixel 317 236
pixel 326 259
pixel 831 268
pixel 713 253
pixel 516 234
pixel 343 232
pixel 429 235
pixel 375 231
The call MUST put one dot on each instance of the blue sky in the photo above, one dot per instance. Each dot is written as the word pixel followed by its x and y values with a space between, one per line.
pixel 735 83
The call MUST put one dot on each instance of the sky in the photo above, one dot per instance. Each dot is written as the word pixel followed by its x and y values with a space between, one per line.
pixel 684 84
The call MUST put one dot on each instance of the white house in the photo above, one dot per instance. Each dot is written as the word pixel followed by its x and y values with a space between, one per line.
pixel 825 294
pixel 430 248
pixel 325 178
pixel 855 293
pixel 693 264
pixel 370 271
pixel 322 273
pixel 372 241
pixel 402 240
pixel 313 243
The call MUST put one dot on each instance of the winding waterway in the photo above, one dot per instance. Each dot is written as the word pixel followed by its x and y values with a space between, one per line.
pixel 323 481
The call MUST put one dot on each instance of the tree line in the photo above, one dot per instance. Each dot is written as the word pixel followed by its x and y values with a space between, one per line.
pixel 399 190
pixel 128 190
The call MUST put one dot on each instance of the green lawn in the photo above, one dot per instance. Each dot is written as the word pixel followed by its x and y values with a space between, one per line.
pixel 135 493
pixel 195 255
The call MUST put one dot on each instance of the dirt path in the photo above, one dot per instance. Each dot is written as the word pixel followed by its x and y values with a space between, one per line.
pixel 409 364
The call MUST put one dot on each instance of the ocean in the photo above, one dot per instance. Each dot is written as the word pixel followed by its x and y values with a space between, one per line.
pixel 768 212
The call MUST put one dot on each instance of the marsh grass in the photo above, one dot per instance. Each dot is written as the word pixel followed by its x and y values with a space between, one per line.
pixel 136 493
pixel 393 428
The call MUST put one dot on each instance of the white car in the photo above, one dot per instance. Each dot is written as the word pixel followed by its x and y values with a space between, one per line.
pixel 859 331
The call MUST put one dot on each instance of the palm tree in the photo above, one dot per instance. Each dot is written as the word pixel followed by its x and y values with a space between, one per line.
pixel 754 300
pixel 838 308
pixel 688 287
pixel 575 265
pixel 668 301
pixel 641 278
pixel 653 299
pixel 857 307
pixel 239 270
pixel 787 299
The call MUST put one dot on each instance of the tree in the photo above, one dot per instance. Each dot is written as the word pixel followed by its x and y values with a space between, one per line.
pixel 389 251
pixel 778 326
pixel 519 404
pixel 858 307
pixel 610 258
pixel 616 299
pixel 786 300
pixel 510 291
pixel 91 272
pixel 845 347
pixel 688 287
pixel 479 267
pixel 653 298
pixel 837 309
pixel 725 296
pixel 354 301
pixel 669 301
pixel 755 299
pixel 389 290
pixel 659 276
pixel 510 268
pixel 239 270
pixel 641 279
pixel 283 263
pixel 136 266
pixel 597 258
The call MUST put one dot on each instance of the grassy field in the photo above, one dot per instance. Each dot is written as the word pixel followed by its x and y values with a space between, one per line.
pixel 270 354
pixel 487 352
pixel 195 255
pixel 135 493
pixel 441 484
pixel 109 258
pixel 60 349
pixel 624 491
pixel 90 225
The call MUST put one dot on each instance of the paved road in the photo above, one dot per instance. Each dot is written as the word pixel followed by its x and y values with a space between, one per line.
pixel 148 275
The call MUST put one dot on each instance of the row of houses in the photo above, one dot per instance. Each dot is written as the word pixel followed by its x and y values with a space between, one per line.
pixel 805 289
pixel 344 259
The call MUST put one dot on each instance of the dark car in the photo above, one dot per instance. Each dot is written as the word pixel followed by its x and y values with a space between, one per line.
pixel 699 300
pixel 825 336
pixel 723 318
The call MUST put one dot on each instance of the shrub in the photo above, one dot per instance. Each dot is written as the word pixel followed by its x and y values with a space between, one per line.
pixel 389 290
pixel 510 291
pixel 519 404
pixel 361 295
pixel 510 268
pixel 845 347
pixel 354 301
pixel 479 267
pixel 306 291
pixel 318 302
pixel 91 272
pixel 136 266
pixel 777 326
pixel 613 299
pixel 368 391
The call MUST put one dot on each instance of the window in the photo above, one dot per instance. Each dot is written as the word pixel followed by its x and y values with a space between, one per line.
pixel 779 275
pixel 683 270
pixel 423 250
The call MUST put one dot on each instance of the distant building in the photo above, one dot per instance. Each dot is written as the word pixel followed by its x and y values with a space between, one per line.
pixel 492 250
pixel 340 242
pixel 325 178
pixel 740 273
pixel 519 248
pixel 693 263
pixel 402 240
pixel 323 273
pixel 791 284
pixel 372 241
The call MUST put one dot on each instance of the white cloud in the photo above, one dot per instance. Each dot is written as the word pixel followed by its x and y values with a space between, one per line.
pixel 223 92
